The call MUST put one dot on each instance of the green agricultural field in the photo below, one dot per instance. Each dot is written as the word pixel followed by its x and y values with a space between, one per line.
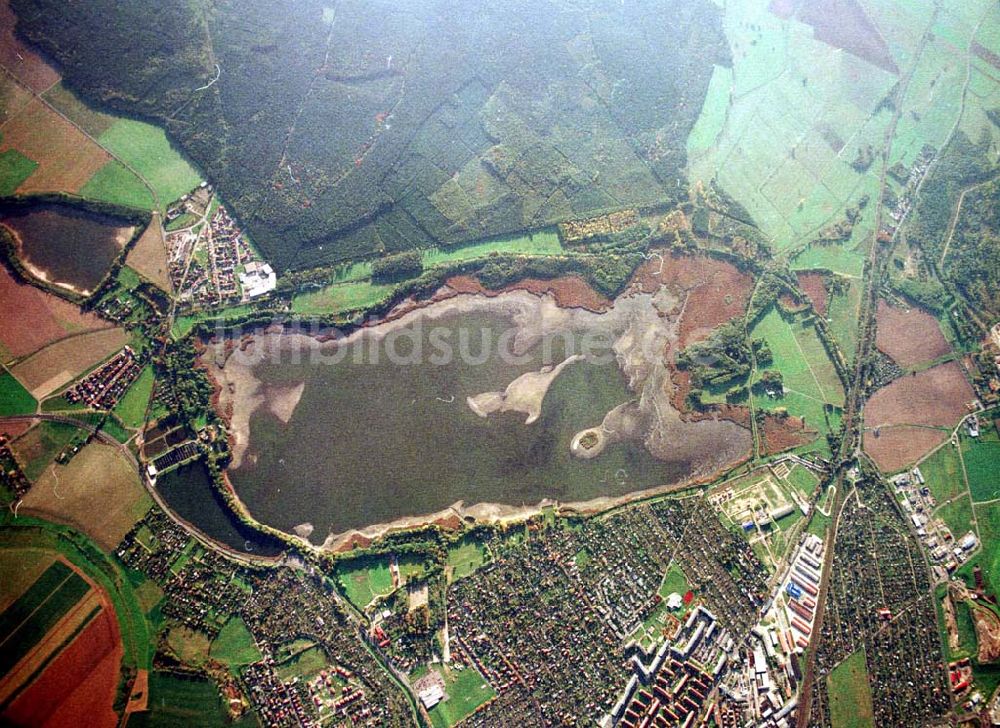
pixel 838 258
pixel 41 444
pixel 14 399
pixel 115 183
pixel 147 150
pixel 943 473
pixel 364 579
pixel 27 602
pixel 542 242
pixel 115 428
pixel 988 520
pixel 14 169
pixel 843 311
pixel 850 694
pixel 341 297
pixel 713 112
pixel 183 324
pixel 466 690
pixel 982 463
pixel 957 515
pixel 176 700
pixel 465 557
pixel 235 645
pixel 25 622
pixel 303 665
pixel 810 380
pixel 131 408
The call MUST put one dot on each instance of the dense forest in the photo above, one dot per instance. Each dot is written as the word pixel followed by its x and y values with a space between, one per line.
pixel 972 263
pixel 361 128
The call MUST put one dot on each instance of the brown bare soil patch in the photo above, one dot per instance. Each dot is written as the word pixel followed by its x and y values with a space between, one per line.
pixel 34 318
pixel 784 433
pixel 451 523
pixel 841 24
pixel 898 446
pixel 66 157
pixel 814 286
pixel 13 430
pixel 987 633
pixel 48 645
pixel 139 699
pixel 715 291
pixel 19 59
pixel 934 397
pixel 13 97
pixel 568 291
pixel 97 492
pixel 149 255
pixel 909 335
pixel 78 687
pixel 55 366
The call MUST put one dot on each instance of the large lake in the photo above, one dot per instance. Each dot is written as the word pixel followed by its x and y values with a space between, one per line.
pixel 65 245
pixel 359 442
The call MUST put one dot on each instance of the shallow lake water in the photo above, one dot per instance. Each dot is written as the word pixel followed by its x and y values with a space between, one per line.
pixel 371 442
pixel 67 245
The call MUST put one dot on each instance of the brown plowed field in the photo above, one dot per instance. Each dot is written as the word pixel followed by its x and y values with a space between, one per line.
pixel 899 446
pixel 935 397
pixel 715 291
pixel 97 492
pixel 909 335
pixel 20 60
pixel 78 687
pixel 41 317
pixel 785 433
pixel 568 291
pixel 149 255
pixel 814 286
pixel 55 366
pixel 66 158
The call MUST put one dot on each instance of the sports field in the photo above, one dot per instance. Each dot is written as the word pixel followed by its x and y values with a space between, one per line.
pixel 809 377
pixel 466 690
pixel 850 694
pixel 465 557
pixel 363 580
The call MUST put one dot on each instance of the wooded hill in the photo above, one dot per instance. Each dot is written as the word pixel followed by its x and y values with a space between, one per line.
pixel 376 127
